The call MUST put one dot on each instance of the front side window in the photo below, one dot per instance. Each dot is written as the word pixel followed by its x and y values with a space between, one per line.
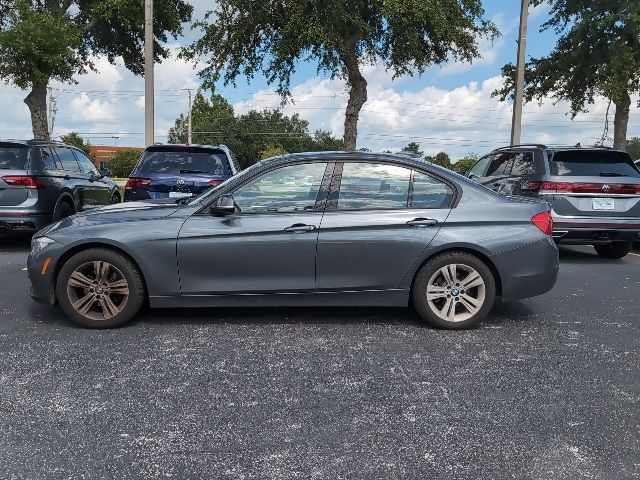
pixel 428 192
pixel 86 164
pixel 68 159
pixel 480 167
pixel 286 189
pixel 373 186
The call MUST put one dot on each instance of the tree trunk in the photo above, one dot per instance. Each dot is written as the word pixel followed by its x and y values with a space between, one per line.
pixel 357 95
pixel 37 103
pixel 621 122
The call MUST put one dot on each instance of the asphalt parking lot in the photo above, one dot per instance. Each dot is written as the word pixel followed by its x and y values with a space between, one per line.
pixel 548 388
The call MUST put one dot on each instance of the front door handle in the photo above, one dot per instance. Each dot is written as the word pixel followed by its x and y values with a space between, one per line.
pixel 300 228
pixel 422 222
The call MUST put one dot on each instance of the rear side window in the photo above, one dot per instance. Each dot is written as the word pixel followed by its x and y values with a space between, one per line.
pixel 500 165
pixel 427 192
pixel 373 186
pixel 14 157
pixel 599 163
pixel 49 161
pixel 523 164
pixel 68 160
pixel 189 160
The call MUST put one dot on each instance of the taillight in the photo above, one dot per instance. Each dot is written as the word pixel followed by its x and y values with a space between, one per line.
pixel 135 182
pixel 544 222
pixel 215 183
pixel 581 187
pixel 24 180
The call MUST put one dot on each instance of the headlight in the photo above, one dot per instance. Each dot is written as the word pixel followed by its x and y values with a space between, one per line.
pixel 37 244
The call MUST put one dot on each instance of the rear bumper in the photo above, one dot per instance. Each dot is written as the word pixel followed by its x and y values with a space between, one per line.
pixel 529 270
pixel 590 230
pixel 23 221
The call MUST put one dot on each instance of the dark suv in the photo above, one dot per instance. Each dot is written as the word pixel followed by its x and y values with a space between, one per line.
pixel 42 181
pixel 594 193
pixel 179 171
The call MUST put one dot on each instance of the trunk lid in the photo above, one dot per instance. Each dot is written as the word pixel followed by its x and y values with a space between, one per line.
pixel 14 161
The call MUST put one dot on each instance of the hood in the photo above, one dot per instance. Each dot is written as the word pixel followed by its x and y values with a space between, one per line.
pixel 155 208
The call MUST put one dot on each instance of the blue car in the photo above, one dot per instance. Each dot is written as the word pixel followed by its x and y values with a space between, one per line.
pixel 179 171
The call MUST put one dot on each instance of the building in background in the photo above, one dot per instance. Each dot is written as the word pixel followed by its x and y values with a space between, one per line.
pixel 103 153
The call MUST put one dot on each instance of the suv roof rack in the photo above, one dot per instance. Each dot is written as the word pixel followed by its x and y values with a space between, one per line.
pixel 524 145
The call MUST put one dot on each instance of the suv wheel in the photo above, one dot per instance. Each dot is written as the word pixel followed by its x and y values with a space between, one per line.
pixel 454 291
pixel 99 288
pixel 115 198
pixel 614 251
pixel 63 209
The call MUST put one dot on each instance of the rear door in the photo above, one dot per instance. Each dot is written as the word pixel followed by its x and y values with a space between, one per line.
pixel 593 183
pixel 377 224
pixel 98 191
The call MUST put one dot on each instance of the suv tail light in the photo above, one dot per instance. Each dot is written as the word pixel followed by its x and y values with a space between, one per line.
pixel 215 183
pixel 135 182
pixel 24 180
pixel 566 187
pixel 544 222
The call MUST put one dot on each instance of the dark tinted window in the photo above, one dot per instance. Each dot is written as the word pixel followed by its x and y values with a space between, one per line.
pixel 287 189
pixel 189 160
pixel 49 161
pixel 580 163
pixel 373 186
pixel 13 158
pixel 68 160
pixel 500 165
pixel 429 192
pixel 85 162
pixel 523 164
pixel 480 167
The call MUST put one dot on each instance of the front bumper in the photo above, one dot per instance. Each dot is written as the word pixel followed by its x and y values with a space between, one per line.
pixel 41 270
pixel 529 270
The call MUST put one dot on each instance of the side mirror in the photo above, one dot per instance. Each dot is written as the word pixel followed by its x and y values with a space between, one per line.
pixel 223 206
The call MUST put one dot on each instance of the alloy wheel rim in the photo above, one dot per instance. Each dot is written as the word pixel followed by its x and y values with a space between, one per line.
pixel 456 292
pixel 97 290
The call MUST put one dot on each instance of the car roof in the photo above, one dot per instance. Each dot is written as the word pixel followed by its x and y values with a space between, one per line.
pixel 557 148
pixel 180 146
pixel 34 142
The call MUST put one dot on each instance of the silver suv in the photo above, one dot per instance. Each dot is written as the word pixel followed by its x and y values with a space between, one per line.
pixel 594 193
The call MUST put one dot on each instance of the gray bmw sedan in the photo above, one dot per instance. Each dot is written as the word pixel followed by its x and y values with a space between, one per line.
pixel 312 229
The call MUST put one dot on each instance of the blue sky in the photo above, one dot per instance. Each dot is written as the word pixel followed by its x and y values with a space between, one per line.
pixel 447 109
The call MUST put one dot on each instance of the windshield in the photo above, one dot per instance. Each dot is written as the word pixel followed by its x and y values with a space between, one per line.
pixel 13 158
pixel 599 163
pixel 189 160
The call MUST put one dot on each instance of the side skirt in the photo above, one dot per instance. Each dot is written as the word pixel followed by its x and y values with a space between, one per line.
pixel 360 298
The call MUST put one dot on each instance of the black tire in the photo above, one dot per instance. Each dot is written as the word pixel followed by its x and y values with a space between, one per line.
pixel 135 284
pixel 115 198
pixel 614 250
pixel 430 269
pixel 64 208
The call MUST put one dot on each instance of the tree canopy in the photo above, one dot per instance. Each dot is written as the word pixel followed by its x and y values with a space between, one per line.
pixel 72 138
pixel 271 37
pixel 41 41
pixel 597 53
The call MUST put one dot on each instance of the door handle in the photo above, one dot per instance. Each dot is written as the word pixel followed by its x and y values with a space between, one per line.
pixel 422 222
pixel 300 228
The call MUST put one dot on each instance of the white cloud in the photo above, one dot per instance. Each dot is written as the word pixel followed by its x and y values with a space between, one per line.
pixel 83 108
pixel 539 9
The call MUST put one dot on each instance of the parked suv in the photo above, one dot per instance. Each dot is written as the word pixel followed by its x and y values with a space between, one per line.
pixel 42 181
pixel 594 193
pixel 178 171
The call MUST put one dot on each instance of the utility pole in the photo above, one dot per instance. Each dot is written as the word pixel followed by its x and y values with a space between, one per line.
pixel 189 140
pixel 149 108
pixel 516 125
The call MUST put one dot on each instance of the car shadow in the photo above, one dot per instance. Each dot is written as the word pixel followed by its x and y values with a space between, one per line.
pixel 583 255
pixel 14 242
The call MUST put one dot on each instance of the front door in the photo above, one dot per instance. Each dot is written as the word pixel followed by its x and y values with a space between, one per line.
pixel 385 217
pixel 268 245
pixel 97 191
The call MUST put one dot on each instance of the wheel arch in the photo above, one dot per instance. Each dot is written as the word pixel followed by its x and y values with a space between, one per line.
pixel 482 256
pixel 66 195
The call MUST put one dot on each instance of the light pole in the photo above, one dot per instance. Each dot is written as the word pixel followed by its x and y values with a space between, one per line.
pixel 148 74
pixel 516 124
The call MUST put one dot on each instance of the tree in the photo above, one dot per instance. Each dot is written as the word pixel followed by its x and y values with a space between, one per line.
pixel 413 147
pixel 633 147
pixel 76 140
pixel 123 161
pixel 272 151
pixel 443 160
pixel 41 41
pixel 272 36
pixel 212 121
pixel 465 163
pixel 597 53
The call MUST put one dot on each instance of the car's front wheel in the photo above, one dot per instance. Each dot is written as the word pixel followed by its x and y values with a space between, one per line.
pixel 99 288
pixel 614 250
pixel 455 290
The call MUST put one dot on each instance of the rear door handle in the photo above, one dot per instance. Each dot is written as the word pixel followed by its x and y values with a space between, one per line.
pixel 422 222
pixel 300 228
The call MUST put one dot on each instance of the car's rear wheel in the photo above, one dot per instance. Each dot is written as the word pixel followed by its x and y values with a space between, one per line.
pixel 115 198
pixel 99 288
pixel 455 290
pixel 63 209
pixel 614 250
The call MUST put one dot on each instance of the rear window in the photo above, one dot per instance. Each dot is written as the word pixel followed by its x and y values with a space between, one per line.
pixel 577 163
pixel 184 161
pixel 13 157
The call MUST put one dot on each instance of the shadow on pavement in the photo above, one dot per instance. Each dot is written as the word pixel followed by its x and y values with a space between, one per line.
pixel 14 242
pixel 585 256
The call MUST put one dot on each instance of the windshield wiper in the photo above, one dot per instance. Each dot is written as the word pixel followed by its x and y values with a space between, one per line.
pixel 612 174
pixel 193 171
